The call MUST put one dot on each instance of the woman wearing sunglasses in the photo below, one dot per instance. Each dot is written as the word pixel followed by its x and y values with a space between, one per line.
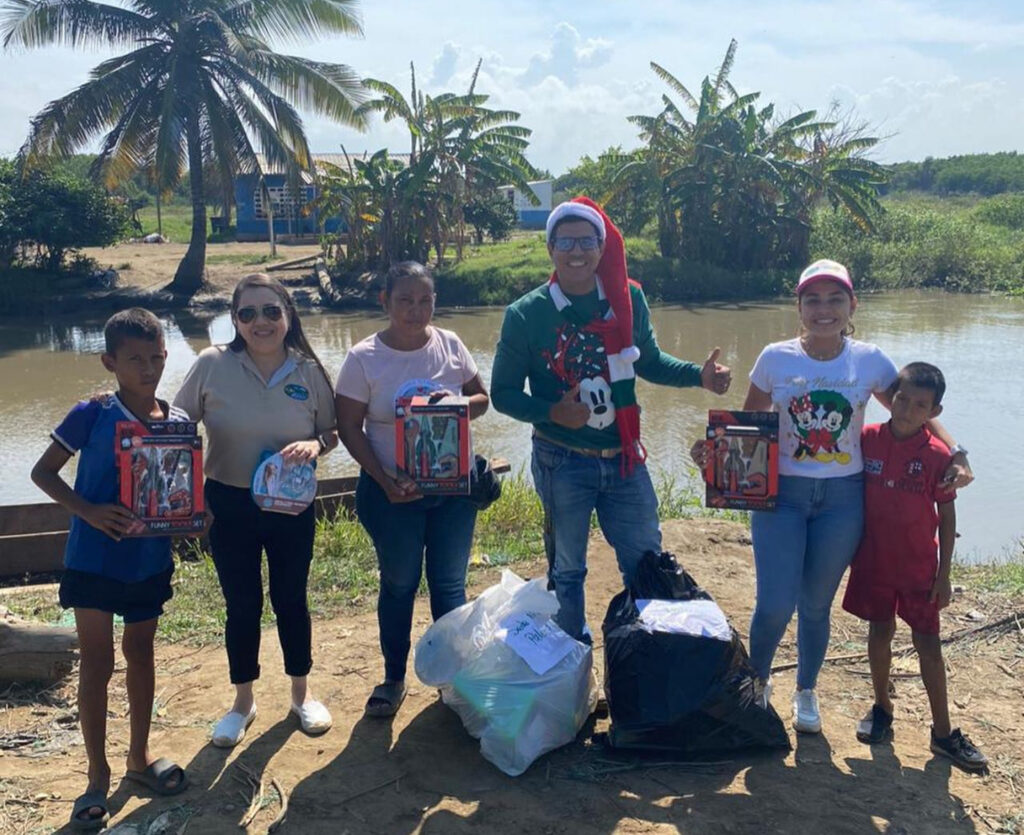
pixel 264 392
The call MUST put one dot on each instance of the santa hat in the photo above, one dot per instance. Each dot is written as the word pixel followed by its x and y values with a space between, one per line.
pixel 617 327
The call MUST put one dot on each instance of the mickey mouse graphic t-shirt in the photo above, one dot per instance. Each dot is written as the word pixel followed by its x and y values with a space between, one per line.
pixel 821 404
pixel 541 345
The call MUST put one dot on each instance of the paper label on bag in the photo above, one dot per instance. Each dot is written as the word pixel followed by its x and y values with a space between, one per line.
pixel 700 618
pixel 541 644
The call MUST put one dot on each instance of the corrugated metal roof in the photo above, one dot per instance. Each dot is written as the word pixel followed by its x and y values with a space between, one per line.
pixel 333 159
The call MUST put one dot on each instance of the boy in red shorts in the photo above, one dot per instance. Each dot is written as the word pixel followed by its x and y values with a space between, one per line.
pixel 899 568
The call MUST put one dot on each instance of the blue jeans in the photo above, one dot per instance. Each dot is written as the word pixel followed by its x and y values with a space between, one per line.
pixel 801 552
pixel 571 487
pixel 439 526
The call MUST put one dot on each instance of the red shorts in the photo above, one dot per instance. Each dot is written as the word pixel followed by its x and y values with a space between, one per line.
pixel 881 603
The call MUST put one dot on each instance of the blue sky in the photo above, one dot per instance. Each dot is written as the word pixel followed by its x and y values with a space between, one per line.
pixel 935 78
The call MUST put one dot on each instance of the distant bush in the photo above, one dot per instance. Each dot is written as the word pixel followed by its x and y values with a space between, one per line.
pixel 926 244
pixel 47 214
pixel 980 173
pixel 1005 210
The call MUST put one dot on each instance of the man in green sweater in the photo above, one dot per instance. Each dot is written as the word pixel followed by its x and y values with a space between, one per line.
pixel 580 340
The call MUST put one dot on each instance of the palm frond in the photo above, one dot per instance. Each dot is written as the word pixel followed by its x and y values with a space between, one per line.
pixel 726 67
pixel 331 90
pixel 294 20
pixel 36 23
pixel 676 86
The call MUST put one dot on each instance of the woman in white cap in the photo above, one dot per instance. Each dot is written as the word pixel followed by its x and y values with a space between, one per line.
pixel 820 384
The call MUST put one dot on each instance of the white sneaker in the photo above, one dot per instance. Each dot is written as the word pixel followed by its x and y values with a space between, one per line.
pixel 764 698
pixel 314 717
pixel 230 730
pixel 806 718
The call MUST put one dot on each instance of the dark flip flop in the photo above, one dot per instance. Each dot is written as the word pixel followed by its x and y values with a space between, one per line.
pixel 91 823
pixel 158 774
pixel 385 699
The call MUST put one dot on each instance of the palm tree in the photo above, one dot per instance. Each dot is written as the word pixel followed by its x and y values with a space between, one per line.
pixel 199 84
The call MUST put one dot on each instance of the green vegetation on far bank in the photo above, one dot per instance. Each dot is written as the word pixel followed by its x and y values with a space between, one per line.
pixel 498 273
pixel 961 243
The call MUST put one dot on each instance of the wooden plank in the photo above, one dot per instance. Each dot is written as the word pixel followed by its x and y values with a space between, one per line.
pixel 32 553
pixel 33 518
pixel 32 537
pixel 334 486
pixel 295 262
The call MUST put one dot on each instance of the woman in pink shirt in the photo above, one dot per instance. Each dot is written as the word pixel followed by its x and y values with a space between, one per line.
pixel 410 356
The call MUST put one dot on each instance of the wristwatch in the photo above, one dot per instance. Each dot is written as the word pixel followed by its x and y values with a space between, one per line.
pixel 323 444
pixel 957 449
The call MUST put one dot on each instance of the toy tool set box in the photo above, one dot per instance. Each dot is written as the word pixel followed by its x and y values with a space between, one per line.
pixel 160 472
pixel 432 443
pixel 283 487
pixel 742 466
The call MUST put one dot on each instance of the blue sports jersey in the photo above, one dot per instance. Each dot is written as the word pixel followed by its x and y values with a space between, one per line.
pixel 89 429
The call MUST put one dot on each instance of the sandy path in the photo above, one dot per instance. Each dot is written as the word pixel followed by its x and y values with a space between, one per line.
pixel 421 773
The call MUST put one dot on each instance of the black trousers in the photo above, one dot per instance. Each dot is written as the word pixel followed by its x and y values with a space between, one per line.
pixel 239 535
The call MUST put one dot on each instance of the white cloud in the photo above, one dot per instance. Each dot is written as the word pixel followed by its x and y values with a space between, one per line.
pixel 942 77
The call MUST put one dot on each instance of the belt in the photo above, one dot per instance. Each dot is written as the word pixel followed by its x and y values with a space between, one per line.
pixel 589 452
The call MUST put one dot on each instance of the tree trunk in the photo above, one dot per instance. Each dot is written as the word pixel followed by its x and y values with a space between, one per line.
pixel 192 269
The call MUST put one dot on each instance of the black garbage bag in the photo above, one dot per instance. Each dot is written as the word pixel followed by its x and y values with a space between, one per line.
pixel 678 677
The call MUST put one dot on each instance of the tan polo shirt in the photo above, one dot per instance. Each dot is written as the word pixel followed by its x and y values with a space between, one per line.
pixel 245 416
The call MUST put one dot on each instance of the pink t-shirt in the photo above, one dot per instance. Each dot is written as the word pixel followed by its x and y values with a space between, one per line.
pixel 375 374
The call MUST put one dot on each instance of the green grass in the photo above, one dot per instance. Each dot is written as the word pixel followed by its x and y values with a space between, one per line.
pixel 1002 576
pixel 344 570
pixel 177 222
pixel 244 259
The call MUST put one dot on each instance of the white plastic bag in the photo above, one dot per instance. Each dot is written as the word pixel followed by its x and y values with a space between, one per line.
pixel 475 655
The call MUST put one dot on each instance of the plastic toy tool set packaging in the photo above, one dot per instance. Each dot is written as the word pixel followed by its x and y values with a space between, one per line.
pixel 160 473
pixel 742 466
pixel 432 443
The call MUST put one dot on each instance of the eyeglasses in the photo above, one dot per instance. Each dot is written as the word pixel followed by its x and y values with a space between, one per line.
pixel 567 243
pixel 271 312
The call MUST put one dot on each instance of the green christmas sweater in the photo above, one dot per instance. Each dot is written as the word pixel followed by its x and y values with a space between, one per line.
pixel 541 345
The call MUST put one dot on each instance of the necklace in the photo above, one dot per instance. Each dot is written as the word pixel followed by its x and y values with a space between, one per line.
pixel 822 356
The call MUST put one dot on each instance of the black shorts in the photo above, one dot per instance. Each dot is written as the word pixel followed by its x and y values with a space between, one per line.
pixel 135 602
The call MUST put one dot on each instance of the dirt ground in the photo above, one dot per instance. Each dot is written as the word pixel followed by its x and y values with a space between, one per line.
pixel 152 266
pixel 421 773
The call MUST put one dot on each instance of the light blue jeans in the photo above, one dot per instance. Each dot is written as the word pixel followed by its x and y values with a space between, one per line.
pixel 801 552
pixel 571 487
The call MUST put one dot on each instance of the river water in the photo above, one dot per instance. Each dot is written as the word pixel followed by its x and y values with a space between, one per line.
pixel 978 341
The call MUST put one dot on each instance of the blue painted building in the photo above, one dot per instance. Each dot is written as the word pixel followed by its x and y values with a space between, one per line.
pixel 295 215
pixel 530 216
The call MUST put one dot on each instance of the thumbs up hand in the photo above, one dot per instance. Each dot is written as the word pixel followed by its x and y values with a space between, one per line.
pixel 715 377
pixel 569 411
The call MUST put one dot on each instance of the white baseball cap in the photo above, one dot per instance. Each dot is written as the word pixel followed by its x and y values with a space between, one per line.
pixel 824 269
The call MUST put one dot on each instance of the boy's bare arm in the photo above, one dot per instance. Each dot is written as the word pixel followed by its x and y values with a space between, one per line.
pixel 112 519
pixel 941 589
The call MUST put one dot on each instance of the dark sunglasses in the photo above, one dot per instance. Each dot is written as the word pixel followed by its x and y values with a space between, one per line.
pixel 271 312
pixel 567 243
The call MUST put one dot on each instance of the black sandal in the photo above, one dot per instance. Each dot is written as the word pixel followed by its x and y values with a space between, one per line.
pixel 385 699
pixel 158 774
pixel 94 799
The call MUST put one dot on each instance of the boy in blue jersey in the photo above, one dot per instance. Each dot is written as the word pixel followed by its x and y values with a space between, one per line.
pixel 105 573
